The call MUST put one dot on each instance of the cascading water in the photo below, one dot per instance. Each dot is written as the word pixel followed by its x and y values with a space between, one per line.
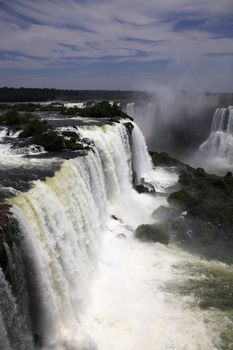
pixel 66 219
pixel 90 284
pixel 219 144
pixel 130 109
pixel 144 114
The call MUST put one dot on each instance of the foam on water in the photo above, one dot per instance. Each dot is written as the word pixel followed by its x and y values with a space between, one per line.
pixel 130 309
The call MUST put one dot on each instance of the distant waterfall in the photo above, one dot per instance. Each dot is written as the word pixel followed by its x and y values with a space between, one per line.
pixel 220 141
pixel 130 109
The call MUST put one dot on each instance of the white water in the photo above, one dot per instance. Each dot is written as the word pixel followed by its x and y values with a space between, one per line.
pixel 218 148
pixel 129 308
pixel 144 114
pixel 98 287
pixel 75 104
pixel 130 109
pixel 6 148
pixel 143 166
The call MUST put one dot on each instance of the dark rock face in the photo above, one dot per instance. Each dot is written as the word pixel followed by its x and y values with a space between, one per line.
pixel 129 126
pixel 7 232
pixel 155 233
pixel 142 188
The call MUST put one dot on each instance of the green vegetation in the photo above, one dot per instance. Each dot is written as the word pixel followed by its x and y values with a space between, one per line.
pixel 13 117
pixel 40 132
pixel 35 127
pixel 205 196
pixel 39 95
pixel 33 107
pixel 103 110
pixel 207 200
pixel 50 140
pixel 99 110
pixel 164 159
pixel 183 199
pixel 43 134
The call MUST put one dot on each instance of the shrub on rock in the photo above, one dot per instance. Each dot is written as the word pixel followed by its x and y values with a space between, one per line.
pixel 12 117
pixel 35 127
pixel 51 141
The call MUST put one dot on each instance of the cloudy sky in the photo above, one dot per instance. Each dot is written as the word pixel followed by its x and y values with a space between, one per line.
pixel 117 44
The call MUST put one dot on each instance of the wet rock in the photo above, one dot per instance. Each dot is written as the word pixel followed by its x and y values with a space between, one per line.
pixel 155 233
pixel 5 208
pixel 71 134
pixel 164 213
pixel 129 228
pixel 37 340
pixel 144 187
pixel 121 235
pixel 129 126
pixel 87 141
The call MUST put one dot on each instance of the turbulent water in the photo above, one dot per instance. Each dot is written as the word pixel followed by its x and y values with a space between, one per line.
pixel 81 279
pixel 218 148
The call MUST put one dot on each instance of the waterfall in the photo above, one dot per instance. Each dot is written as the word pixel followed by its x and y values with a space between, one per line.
pixel 130 109
pixel 63 220
pixel 219 144
pixel 79 278
pixel 142 163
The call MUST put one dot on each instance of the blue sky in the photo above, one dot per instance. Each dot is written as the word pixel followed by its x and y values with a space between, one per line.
pixel 134 44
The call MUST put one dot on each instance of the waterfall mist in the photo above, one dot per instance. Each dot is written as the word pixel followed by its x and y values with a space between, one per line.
pixel 173 121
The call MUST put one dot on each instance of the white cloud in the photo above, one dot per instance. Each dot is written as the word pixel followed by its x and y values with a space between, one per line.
pixel 73 31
